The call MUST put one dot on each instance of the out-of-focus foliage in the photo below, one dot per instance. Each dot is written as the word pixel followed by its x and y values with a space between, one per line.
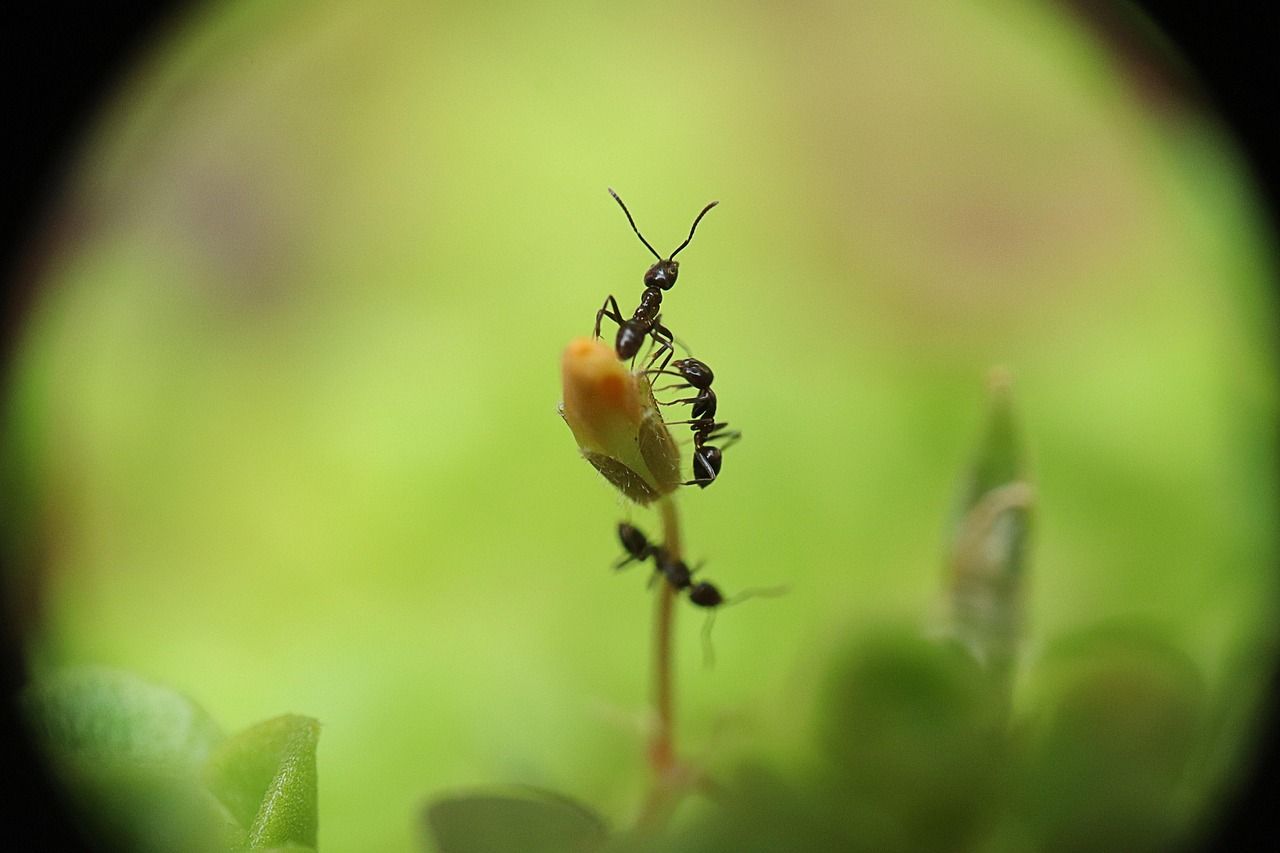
pixel 530 820
pixel 152 771
pixel 282 432
pixel 985 576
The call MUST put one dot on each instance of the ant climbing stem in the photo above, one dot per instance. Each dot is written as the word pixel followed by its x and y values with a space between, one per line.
pixel 679 576
pixel 646 320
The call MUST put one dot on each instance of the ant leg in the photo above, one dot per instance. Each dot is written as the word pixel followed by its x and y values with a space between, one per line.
pixel 663 345
pixel 616 316
pixel 727 439
pixel 676 402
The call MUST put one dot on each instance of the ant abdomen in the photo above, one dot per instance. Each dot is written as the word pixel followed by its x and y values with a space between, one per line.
pixel 630 339
pixel 706 466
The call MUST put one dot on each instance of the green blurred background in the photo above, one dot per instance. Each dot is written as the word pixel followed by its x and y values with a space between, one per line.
pixel 284 418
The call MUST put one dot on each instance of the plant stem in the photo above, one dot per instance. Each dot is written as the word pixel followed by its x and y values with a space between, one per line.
pixel 662 751
pixel 666 770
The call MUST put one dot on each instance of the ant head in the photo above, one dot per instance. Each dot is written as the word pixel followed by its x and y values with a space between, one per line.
pixel 662 275
pixel 705 594
pixel 695 372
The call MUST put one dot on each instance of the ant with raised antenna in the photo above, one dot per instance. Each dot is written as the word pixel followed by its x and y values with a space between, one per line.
pixel 646 320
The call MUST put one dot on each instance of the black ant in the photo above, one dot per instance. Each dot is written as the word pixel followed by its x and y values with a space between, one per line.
pixel 707 458
pixel 702 594
pixel 647 320
pixel 638 549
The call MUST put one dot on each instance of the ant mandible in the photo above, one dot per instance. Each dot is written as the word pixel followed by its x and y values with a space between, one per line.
pixel 647 320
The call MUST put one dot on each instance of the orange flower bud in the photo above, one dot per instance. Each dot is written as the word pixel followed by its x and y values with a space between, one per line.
pixel 616 422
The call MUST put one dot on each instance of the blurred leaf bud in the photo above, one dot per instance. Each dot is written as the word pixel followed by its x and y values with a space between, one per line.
pixel 616 422
pixel 986 562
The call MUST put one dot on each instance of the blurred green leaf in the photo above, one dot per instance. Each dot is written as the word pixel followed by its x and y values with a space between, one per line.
pixel 1120 716
pixel 266 777
pixel 760 811
pixel 989 542
pixel 101 714
pixel 998 459
pixel 129 753
pixel 535 822
pixel 913 743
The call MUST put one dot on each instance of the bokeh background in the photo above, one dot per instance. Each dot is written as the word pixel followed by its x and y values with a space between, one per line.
pixel 282 424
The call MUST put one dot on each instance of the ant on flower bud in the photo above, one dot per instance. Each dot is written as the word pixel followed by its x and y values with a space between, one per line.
pixel 646 320
pixel 707 458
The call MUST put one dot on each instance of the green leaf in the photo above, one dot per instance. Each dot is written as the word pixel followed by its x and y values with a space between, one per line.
pixel 993 513
pixel 913 741
pixel 266 778
pixel 990 533
pixel 97 714
pixel 129 753
pixel 998 459
pixel 1120 717
pixel 532 822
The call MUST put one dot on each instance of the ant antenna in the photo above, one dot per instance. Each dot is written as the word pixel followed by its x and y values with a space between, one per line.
pixel 637 230
pixel 691 230
pixel 708 652
pixel 758 592
pixel 687 240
